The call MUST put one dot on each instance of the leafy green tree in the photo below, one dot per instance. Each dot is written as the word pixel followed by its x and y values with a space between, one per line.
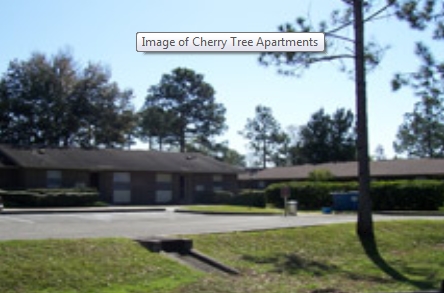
pixel 155 124
pixel 328 138
pixel 379 153
pixel 264 134
pixel 109 112
pixel 320 175
pixel 343 47
pixel 422 133
pixel 422 14
pixel 50 102
pixel 281 156
pixel 188 103
pixel 233 157
pixel 219 151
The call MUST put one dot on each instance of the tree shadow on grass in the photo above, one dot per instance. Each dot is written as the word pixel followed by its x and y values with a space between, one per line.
pixel 371 249
pixel 292 264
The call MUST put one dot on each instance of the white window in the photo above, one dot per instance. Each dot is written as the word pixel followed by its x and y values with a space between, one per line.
pixel 200 188
pixel 217 178
pixel 166 178
pixel 122 187
pixel 122 196
pixel 53 178
pixel 164 196
pixel 261 184
pixel 80 185
pixel 122 177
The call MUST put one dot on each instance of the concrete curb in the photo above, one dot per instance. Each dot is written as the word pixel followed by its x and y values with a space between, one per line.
pixel 213 262
pixel 183 247
pixel 225 213
pixel 79 210
pixel 410 213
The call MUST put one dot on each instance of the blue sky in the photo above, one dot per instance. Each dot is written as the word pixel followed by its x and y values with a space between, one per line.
pixel 105 32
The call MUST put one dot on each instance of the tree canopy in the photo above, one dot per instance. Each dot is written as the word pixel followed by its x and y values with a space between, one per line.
pixel 182 108
pixel 264 135
pixel 49 101
pixel 422 133
pixel 328 138
pixel 220 151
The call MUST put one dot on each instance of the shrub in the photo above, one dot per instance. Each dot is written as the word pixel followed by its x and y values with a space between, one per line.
pixel 19 198
pixel 386 195
pixel 320 175
pixel 250 198
pixel 309 195
pixel 213 197
pixel 49 198
pixel 408 195
pixel 222 197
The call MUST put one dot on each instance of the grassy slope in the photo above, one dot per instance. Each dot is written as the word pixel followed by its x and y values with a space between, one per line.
pixel 100 265
pixel 327 258
pixel 317 260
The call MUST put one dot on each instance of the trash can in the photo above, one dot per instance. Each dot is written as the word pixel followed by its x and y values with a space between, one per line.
pixel 345 201
pixel 326 210
pixel 292 207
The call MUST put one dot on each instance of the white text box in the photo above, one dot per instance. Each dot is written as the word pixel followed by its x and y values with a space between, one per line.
pixel 230 42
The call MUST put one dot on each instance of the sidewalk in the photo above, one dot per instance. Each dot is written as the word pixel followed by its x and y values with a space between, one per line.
pixel 108 209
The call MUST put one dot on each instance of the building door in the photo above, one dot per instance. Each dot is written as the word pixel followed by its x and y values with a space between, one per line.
pixel 182 189
pixel 94 180
pixel 121 187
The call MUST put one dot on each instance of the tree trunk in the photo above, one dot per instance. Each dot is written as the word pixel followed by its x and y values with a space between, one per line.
pixel 365 221
pixel 182 142
pixel 264 155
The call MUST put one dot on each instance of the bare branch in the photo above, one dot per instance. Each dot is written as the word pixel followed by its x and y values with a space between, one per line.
pixel 331 58
pixel 374 15
pixel 339 37
pixel 369 18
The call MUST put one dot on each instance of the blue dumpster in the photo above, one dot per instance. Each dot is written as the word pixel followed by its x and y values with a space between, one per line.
pixel 326 210
pixel 345 201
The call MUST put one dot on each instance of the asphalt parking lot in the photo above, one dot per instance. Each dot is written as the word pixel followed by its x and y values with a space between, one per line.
pixel 153 223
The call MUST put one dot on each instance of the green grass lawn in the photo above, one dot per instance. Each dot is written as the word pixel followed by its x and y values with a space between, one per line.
pixel 87 266
pixel 327 259
pixel 232 209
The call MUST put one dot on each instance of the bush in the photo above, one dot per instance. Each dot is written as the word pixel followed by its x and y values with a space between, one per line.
pixel 49 198
pixel 222 197
pixel 386 195
pixel 250 198
pixel 408 195
pixel 309 195
pixel 214 197
pixel 19 198
pixel 320 175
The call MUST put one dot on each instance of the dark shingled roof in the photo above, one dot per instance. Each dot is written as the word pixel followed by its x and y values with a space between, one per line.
pixel 394 168
pixel 115 160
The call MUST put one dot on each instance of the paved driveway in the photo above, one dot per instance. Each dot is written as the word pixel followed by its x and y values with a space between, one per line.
pixel 143 224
